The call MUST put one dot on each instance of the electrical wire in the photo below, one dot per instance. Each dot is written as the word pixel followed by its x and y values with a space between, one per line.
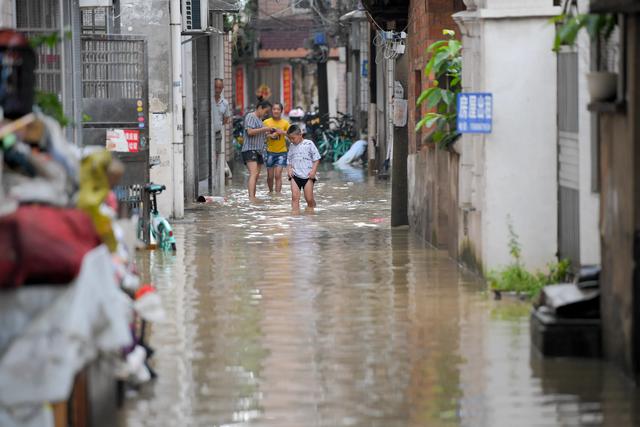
pixel 290 7
pixel 373 20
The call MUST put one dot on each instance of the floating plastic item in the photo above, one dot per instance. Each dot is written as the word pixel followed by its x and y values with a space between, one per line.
pixel 354 153
pixel 211 199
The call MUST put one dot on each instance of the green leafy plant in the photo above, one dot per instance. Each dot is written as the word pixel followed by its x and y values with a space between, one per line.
pixel 48 39
pixel 515 277
pixel 49 102
pixel 51 105
pixel 445 65
pixel 569 26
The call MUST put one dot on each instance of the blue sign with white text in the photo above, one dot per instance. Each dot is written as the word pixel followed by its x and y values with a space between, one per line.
pixel 475 112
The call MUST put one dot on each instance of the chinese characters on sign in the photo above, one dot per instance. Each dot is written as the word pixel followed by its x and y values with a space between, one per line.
pixel 286 89
pixel 475 112
pixel 123 140
pixel 240 89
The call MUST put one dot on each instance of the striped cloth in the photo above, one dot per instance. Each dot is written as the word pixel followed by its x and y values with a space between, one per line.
pixel 256 142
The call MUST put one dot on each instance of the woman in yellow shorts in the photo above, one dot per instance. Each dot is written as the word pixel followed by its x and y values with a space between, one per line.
pixel 276 147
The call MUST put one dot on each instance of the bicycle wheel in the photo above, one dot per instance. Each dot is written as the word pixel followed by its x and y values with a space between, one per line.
pixel 164 239
pixel 324 147
pixel 160 239
pixel 342 146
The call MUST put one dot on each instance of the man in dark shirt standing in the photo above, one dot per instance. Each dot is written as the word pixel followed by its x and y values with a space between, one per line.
pixel 253 146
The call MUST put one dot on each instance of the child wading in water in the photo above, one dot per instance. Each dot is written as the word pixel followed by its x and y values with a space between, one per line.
pixel 302 165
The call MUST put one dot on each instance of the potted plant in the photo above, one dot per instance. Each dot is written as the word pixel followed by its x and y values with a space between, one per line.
pixel 602 84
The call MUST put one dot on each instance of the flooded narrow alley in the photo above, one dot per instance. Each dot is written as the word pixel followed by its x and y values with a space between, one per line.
pixel 333 318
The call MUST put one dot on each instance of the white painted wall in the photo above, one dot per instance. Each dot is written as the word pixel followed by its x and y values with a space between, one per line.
pixel 160 134
pixel 152 18
pixel 342 86
pixel 589 201
pixel 512 173
pixel 333 86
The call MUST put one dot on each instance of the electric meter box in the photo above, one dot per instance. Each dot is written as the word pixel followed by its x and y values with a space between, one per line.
pixel 195 16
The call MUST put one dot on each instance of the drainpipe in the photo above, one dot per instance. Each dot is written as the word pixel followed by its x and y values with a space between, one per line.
pixel 177 142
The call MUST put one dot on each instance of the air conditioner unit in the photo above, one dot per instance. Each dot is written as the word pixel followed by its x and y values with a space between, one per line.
pixel 195 14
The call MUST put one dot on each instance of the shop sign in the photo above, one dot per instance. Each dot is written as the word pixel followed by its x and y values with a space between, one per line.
pixel 287 98
pixel 475 112
pixel 240 89
pixel 123 140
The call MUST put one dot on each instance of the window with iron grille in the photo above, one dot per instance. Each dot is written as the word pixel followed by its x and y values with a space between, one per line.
pixel 112 68
pixel 37 18
pixel 94 20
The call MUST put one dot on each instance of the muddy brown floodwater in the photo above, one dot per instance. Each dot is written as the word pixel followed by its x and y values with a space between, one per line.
pixel 333 318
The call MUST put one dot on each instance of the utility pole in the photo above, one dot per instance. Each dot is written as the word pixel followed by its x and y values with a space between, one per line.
pixel 399 194
pixel 177 141
pixel 323 89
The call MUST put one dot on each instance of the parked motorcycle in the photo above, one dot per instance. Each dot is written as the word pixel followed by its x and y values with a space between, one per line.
pixel 296 117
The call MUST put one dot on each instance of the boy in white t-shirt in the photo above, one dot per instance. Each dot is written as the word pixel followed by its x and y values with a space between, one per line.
pixel 302 165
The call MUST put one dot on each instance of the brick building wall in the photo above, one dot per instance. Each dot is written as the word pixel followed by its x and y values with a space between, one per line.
pixel 432 173
pixel 427 20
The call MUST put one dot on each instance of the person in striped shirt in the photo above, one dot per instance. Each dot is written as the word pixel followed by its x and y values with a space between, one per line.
pixel 253 146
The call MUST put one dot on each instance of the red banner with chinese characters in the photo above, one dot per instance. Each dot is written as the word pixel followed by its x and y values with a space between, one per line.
pixel 123 140
pixel 133 140
pixel 240 89
pixel 287 98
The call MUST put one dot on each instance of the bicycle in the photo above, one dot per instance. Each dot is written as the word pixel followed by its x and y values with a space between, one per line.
pixel 159 227
pixel 238 136
pixel 332 146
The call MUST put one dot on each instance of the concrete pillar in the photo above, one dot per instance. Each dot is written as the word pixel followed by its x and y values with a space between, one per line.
pixel 136 21
pixel 399 197
pixel 218 148
pixel 190 188
pixel 332 87
pixel 177 127
pixel 589 196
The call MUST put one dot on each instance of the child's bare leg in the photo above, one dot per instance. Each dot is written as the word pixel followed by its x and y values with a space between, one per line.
pixel 277 172
pixel 254 173
pixel 308 194
pixel 270 179
pixel 295 195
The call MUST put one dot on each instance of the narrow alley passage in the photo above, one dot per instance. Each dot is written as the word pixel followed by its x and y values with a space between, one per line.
pixel 333 318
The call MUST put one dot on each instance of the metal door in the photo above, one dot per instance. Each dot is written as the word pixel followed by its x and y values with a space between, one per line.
pixel 202 95
pixel 568 159
pixel 115 96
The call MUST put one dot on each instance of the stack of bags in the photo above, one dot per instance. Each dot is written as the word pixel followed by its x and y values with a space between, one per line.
pixel 69 288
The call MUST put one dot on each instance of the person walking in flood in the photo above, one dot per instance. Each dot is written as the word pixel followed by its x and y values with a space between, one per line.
pixel 276 148
pixel 302 165
pixel 253 146
pixel 221 116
